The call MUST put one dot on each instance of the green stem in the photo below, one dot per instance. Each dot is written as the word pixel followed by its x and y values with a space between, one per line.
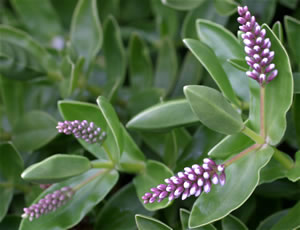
pixel 102 164
pixel 262 112
pixel 88 180
pixel 283 158
pixel 242 154
pixel 253 135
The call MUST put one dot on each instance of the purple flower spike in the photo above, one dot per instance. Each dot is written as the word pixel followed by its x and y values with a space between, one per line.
pixel 257 47
pixel 191 182
pixel 85 130
pixel 50 203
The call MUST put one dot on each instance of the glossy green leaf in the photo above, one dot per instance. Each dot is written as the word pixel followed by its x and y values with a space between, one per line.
pixel 23 40
pixel 294 173
pixel 11 166
pixel 190 74
pixel 272 171
pixel 140 65
pixel 164 116
pixel 81 203
pixel 292 27
pixel 114 55
pixel 243 175
pixel 166 66
pixel 40 18
pixel 290 221
pixel 207 11
pixel 149 223
pixel 153 175
pixel 271 220
pixel 77 69
pixel 213 110
pixel 231 222
pixel 54 169
pixel 184 218
pixel 34 130
pixel 86 32
pixel 278 30
pixel 114 127
pixel 209 60
pixel 182 4
pixel 226 7
pixel 239 64
pixel 119 212
pixel 226 46
pixel 74 110
pixel 292 4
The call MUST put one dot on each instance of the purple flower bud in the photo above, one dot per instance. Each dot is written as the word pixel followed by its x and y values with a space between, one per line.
pixel 84 130
pixel 191 182
pixel 257 47
pixel 50 203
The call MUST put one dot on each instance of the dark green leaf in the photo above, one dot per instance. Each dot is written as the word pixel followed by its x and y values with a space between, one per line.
pixel 239 64
pixel 277 29
pixel 231 222
pixel 294 173
pixel 149 223
pixel 292 26
pixel 225 7
pixel 270 221
pixel 184 218
pixel 182 4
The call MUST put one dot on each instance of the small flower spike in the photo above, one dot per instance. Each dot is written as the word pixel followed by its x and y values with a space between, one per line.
pixel 85 130
pixel 48 204
pixel 193 181
pixel 257 47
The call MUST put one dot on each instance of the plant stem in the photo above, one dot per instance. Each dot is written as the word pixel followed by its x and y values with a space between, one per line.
pixel 253 135
pixel 262 112
pixel 102 164
pixel 88 180
pixel 242 154
pixel 283 158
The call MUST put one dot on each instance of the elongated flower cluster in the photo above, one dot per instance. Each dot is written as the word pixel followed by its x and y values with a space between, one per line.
pixel 85 130
pixel 257 47
pixel 192 181
pixel 48 204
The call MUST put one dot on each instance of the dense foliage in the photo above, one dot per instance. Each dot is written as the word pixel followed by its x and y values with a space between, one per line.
pixel 110 110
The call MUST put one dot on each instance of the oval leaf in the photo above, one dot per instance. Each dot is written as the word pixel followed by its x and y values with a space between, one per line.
pixel 149 223
pixel 231 222
pixel 184 218
pixel 292 26
pixel 213 110
pixel 225 7
pixel 182 4
pixel 164 116
pixel 55 169
pixel 243 176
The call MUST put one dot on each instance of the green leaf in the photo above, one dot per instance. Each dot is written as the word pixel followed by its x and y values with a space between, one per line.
pixel 153 175
pixel 86 32
pixel 239 64
pixel 209 60
pixel 164 116
pixel 184 218
pixel 213 110
pixel 272 171
pixel 270 221
pixel 191 73
pixel 34 130
pixel 149 223
pixel 119 211
pixel 290 220
pixel 292 26
pixel 40 18
pixel 243 176
pixel 226 46
pixel 294 173
pixel 231 222
pixel 207 11
pixel 114 55
pixel 225 7
pixel 140 65
pixel 166 66
pixel 10 222
pixel 23 40
pixel 292 4
pixel 114 127
pixel 182 4
pixel 296 83
pixel 54 169
pixel 11 166
pixel 81 203
pixel 278 30
pixel 74 110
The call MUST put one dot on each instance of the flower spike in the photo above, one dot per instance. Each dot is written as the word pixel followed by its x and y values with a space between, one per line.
pixel 257 47
pixel 85 130
pixel 192 182
pixel 49 203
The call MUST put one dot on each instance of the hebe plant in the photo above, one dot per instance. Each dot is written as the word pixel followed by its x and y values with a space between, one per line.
pixel 227 123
